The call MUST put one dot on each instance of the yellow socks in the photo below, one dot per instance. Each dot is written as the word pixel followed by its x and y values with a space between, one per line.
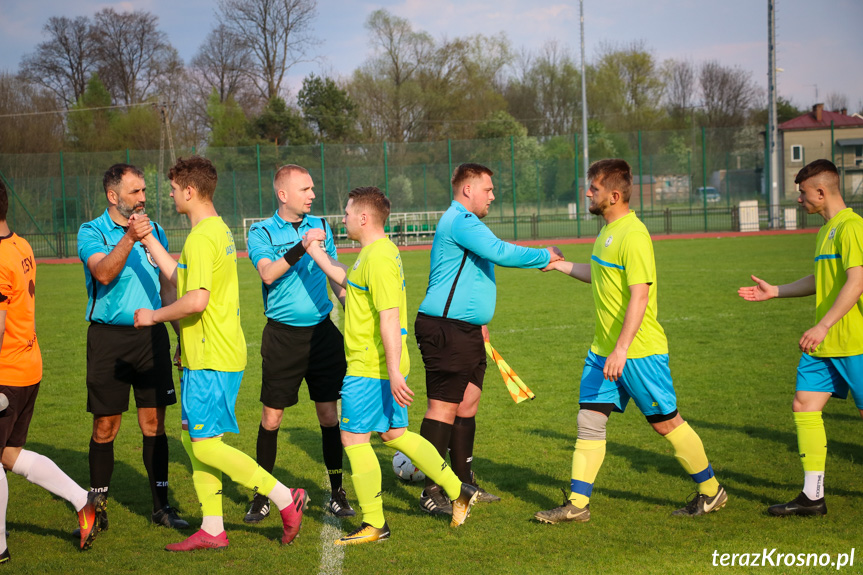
pixel 424 455
pixel 366 475
pixel 812 446
pixel 689 451
pixel 242 468
pixel 586 461
pixel 207 481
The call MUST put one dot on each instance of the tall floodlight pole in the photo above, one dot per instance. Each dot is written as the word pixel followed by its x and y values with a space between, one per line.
pixel 772 131
pixel 583 104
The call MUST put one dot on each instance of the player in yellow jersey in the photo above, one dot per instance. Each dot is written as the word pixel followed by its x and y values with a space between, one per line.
pixel 213 357
pixel 375 394
pixel 629 355
pixel 832 360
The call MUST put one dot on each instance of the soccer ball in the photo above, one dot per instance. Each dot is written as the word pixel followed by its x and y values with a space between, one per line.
pixel 405 469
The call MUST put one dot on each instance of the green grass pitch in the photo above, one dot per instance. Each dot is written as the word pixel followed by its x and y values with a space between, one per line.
pixel 733 365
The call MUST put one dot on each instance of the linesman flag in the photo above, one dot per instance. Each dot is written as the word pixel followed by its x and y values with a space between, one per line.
pixel 516 387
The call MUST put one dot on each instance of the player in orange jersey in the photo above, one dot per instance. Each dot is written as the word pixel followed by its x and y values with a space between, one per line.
pixel 20 374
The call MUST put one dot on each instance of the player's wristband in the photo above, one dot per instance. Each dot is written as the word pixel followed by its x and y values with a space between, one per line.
pixel 295 253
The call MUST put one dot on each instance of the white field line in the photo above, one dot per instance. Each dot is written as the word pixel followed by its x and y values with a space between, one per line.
pixel 332 556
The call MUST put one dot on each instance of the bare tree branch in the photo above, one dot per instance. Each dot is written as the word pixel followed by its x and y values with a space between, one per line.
pixel 62 63
pixel 131 52
pixel 277 34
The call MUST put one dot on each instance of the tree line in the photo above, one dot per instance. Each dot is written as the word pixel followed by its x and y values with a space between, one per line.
pixel 109 75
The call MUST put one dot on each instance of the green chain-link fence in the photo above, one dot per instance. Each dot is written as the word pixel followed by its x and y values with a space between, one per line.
pixel 684 181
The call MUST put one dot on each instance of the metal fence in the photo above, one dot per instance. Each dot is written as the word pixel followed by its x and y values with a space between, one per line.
pixel 684 181
pixel 407 229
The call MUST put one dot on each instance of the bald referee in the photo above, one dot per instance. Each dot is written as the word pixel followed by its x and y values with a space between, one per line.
pixel 298 309
pixel 121 276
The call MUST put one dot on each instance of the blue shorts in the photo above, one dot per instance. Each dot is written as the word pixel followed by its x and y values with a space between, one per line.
pixel 834 375
pixel 647 380
pixel 368 405
pixel 208 398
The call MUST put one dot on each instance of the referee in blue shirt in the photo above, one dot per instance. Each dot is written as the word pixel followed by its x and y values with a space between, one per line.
pixel 121 277
pixel 299 340
pixel 459 302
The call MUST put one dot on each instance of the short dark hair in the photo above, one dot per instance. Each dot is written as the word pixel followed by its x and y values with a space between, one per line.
pixel 466 172
pixel 4 201
pixel 372 199
pixel 198 172
pixel 115 173
pixel 614 174
pixel 817 168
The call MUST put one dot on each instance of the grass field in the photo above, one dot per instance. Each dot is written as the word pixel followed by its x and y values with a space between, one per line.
pixel 733 364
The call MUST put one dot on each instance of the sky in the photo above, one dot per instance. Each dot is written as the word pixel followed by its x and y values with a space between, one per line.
pixel 818 48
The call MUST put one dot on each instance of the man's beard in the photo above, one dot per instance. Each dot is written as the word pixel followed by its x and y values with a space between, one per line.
pixel 596 209
pixel 126 210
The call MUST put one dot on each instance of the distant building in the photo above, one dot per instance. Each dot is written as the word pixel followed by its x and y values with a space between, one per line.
pixel 821 134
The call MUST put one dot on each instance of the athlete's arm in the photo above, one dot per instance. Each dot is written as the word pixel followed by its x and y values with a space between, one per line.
pixel 391 336
pixel 166 262
pixel 334 269
pixel 763 291
pixel 192 302
pixel 270 270
pixel 639 294
pixel 847 298
pixel 105 267
pixel 339 291
pixel 2 326
pixel 578 271
pixel 168 293
pixel 267 262
pixel 474 236
pixel 329 245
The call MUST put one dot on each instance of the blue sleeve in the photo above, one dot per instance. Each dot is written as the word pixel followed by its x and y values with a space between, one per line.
pixel 90 242
pixel 260 245
pixel 473 235
pixel 330 243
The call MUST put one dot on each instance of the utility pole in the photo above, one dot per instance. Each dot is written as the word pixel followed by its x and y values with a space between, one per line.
pixel 583 104
pixel 772 132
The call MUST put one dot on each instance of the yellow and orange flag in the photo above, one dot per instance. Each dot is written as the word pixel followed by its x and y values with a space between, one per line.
pixel 516 387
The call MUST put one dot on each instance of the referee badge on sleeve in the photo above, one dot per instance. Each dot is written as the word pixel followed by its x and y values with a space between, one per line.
pixel 150 257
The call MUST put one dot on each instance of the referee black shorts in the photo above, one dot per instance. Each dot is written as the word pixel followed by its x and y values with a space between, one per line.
pixel 15 419
pixel 454 355
pixel 290 354
pixel 120 357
